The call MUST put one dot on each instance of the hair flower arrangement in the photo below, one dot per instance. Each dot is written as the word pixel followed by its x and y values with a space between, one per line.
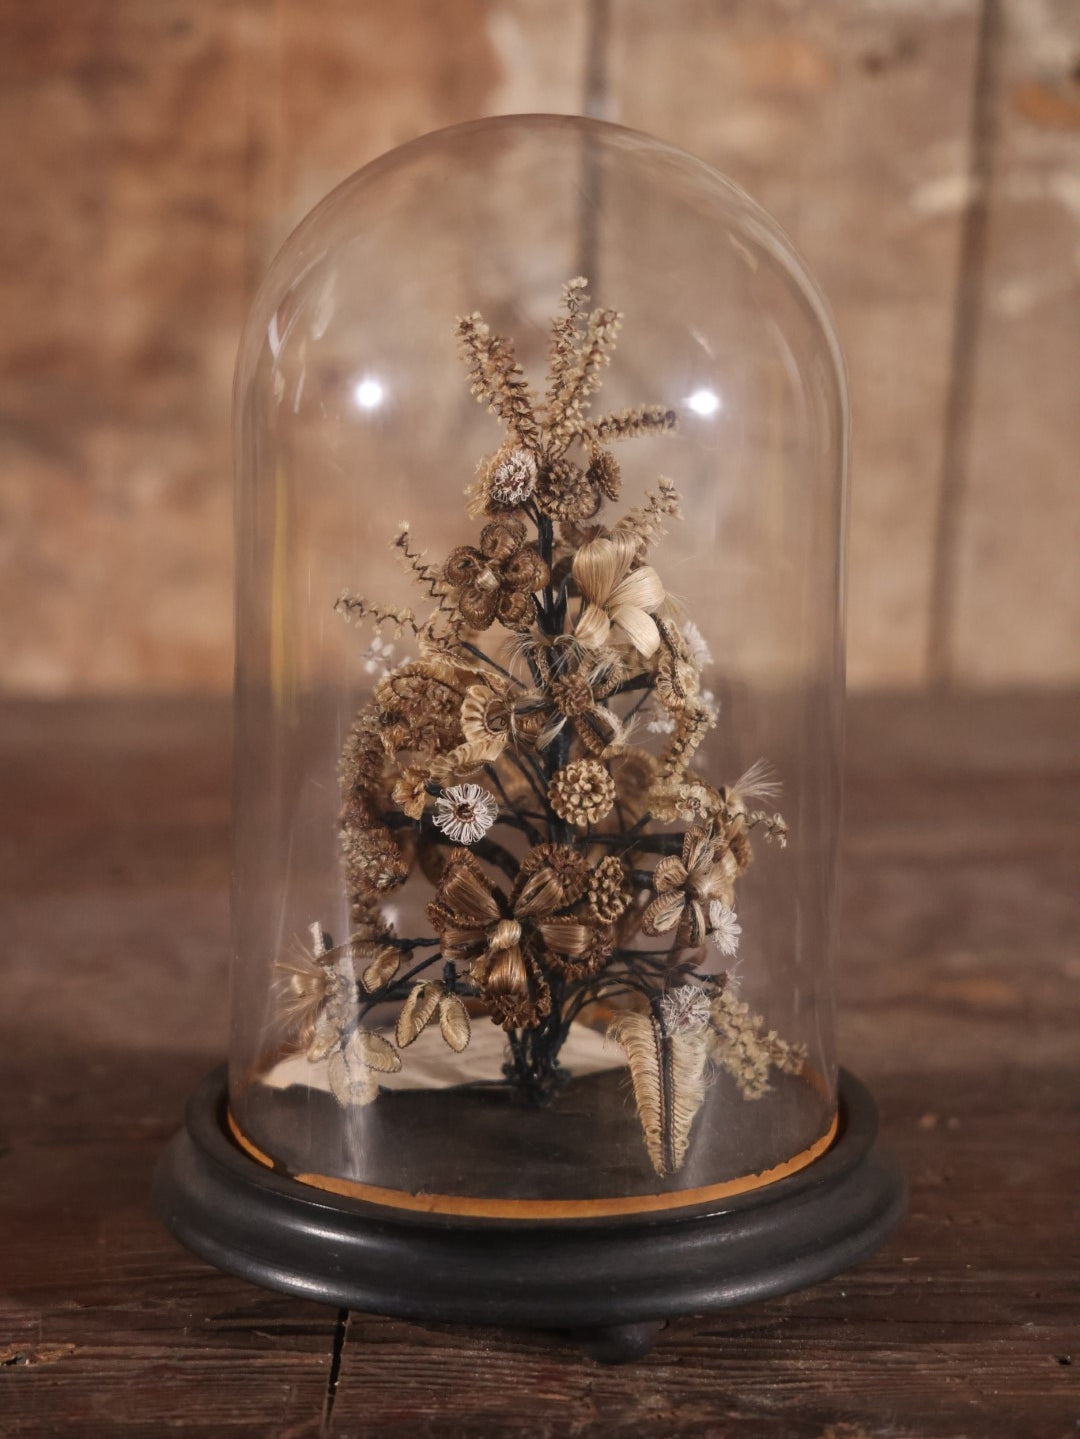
pixel 577 876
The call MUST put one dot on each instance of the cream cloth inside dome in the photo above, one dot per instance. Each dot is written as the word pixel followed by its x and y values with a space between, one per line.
pixel 429 1064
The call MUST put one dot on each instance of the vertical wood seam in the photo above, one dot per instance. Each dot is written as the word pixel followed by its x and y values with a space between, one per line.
pixel 966 334
pixel 597 32
pixel 341 1335
pixel 263 37
pixel 594 101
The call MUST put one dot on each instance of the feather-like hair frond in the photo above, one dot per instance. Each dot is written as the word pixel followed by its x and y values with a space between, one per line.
pixel 736 1040
pixel 759 782
pixel 497 380
pixel 668 1075
pixel 629 424
pixel 647 522
pixel 565 345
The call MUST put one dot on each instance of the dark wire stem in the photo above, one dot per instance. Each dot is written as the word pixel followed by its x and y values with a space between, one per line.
pixel 561 595
pixel 485 848
pixel 493 775
pixel 648 844
pixel 545 537
pixel 642 681
pixel 520 765
pixel 636 706
pixel 516 821
pixel 541 771
pixel 480 655
pixel 510 815
pixel 533 1052
pixel 557 752
pixel 606 987
pixel 639 824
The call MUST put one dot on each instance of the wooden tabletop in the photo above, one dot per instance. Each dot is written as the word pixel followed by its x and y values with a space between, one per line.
pixel 957 984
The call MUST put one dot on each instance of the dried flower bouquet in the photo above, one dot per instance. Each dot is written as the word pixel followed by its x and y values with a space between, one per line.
pixel 572 864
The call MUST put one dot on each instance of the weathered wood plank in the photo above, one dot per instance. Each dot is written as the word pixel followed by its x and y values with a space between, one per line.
pixel 958 1003
pixel 850 125
pixel 368 78
pixel 154 157
pixel 106 1327
pixel 125 154
pixel 1014 602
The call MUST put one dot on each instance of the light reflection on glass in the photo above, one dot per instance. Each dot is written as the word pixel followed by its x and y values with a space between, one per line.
pixel 704 402
pixel 368 393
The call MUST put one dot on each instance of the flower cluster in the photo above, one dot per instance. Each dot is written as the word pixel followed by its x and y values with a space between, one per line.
pixel 572 865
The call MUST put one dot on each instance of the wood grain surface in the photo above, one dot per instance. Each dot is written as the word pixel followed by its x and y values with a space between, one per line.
pixel 153 157
pixel 957 981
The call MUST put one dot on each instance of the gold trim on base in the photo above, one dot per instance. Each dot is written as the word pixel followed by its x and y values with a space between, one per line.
pixel 477 1207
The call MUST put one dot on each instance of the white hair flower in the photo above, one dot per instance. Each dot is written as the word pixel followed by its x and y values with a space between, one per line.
pixel 512 478
pixel 725 927
pixel 378 657
pixel 465 813
pixel 697 644
pixel 685 1009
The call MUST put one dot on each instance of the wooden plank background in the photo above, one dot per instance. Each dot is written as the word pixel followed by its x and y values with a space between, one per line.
pixel 959 1005
pixel 154 153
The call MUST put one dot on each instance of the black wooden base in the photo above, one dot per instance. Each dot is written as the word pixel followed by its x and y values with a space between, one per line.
pixel 606 1281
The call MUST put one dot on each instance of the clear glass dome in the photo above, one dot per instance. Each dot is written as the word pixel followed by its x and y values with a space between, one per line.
pixel 524 685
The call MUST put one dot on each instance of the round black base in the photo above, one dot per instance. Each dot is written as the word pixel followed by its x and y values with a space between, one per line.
pixel 607 1281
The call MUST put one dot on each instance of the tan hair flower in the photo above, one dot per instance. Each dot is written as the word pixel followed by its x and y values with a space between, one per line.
pixel 605 474
pixel 685 889
pixel 566 492
pixel 410 791
pixel 313 991
pixel 609 893
pixel 503 940
pixel 417 708
pixel 581 963
pixel 550 877
pixel 487 717
pixel 575 680
pixel 677 674
pixel 725 927
pixel 617 594
pixel 497 581
pixel 582 792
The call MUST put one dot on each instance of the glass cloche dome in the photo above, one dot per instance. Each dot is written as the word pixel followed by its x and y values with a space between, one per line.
pixel 541 468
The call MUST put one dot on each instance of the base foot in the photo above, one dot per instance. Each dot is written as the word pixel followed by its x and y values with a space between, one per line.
pixel 617 1343
pixel 608 1281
